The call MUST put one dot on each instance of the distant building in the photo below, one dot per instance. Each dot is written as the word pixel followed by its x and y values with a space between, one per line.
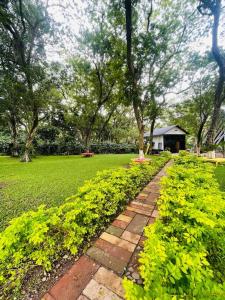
pixel 172 138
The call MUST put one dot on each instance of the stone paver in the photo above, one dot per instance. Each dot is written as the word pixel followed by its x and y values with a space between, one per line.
pixel 129 213
pixel 110 281
pixel 98 274
pixel 70 286
pixel 155 213
pixel 131 237
pixel 96 291
pixel 151 221
pixel 137 224
pixel 142 197
pixel 124 218
pixel 117 241
pixel 120 224
pixel 114 230
pixel 143 205
pixel 139 211
pixel 113 250
pixel 111 262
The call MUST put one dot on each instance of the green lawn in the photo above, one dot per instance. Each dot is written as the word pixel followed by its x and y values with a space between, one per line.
pixel 47 180
pixel 220 175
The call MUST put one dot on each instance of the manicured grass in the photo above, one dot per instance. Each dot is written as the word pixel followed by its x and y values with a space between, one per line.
pixel 47 180
pixel 220 175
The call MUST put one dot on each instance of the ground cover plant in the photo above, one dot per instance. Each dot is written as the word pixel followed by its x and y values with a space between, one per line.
pixel 48 180
pixel 183 256
pixel 39 237
pixel 220 175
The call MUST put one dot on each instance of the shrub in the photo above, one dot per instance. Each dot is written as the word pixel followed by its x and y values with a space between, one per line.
pixel 113 148
pixel 38 238
pixel 184 254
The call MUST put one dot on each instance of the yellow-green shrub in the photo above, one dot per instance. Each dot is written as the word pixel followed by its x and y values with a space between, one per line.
pixel 184 254
pixel 38 238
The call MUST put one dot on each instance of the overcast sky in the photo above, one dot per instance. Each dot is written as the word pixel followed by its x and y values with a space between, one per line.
pixel 69 14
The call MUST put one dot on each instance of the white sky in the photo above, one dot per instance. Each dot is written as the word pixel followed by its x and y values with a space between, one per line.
pixel 72 21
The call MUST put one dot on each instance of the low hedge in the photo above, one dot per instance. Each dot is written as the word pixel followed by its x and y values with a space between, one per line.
pixel 73 149
pixel 38 238
pixel 184 254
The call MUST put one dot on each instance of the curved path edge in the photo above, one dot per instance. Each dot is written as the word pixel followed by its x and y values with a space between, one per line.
pixel 98 274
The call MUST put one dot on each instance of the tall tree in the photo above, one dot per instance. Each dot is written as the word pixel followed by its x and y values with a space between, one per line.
pixel 214 8
pixel 152 52
pixel 98 70
pixel 25 27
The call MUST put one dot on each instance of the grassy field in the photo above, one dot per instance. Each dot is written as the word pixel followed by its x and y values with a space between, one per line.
pixel 220 175
pixel 47 180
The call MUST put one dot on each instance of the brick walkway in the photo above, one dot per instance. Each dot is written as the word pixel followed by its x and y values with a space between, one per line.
pixel 97 275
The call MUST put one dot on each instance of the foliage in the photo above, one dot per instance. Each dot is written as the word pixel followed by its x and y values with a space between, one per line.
pixel 25 28
pixel 99 148
pixel 183 255
pixel 5 141
pixel 37 238
pixel 220 175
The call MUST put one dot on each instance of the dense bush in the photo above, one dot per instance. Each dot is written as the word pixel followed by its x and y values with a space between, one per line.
pixel 5 142
pixel 72 149
pixel 184 254
pixel 37 238
pixel 113 148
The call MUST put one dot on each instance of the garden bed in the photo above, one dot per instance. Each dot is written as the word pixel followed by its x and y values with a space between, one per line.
pixel 38 239
pixel 184 254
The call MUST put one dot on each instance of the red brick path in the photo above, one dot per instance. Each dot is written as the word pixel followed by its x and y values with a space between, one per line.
pixel 98 273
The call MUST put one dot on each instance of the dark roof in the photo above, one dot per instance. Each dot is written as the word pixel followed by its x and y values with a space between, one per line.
pixel 163 130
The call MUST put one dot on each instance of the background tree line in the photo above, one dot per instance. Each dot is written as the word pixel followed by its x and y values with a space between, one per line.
pixel 132 66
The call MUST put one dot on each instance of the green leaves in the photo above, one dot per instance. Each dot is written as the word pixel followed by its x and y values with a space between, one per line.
pixel 183 255
pixel 38 238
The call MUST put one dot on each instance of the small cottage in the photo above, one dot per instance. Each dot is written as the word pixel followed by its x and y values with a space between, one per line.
pixel 172 138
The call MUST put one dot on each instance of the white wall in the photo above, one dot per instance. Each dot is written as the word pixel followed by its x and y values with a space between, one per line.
pixel 156 140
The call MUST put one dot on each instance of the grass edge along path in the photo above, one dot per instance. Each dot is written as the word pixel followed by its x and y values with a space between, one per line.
pixel 38 238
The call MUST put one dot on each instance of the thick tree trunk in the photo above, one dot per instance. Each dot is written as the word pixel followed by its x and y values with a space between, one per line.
pixel 30 137
pixel 212 129
pixel 132 77
pixel 14 151
pixel 220 60
pixel 141 129
pixel 87 140
pixel 199 138
pixel 26 155
pixel 28 146
pixel 14 135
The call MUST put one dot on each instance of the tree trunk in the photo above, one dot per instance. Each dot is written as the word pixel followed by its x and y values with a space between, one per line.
pixel 151 135
pixel 13 129
pixel 30 136
pixel 199 137
pixel 212 129
pixel 220 60
pixel 132 77
pixel 87 140
pixel 26 155
pixel 141 129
